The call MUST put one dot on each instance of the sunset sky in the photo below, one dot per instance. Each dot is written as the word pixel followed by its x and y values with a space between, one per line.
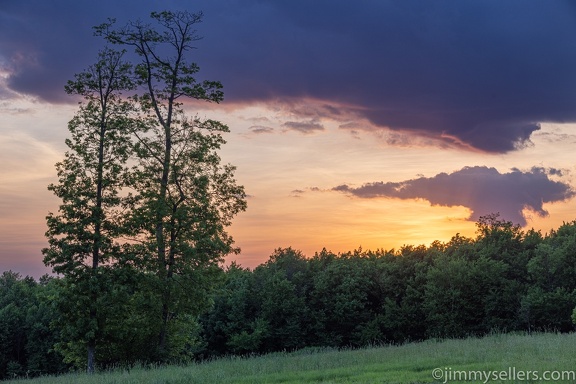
pixel 353 123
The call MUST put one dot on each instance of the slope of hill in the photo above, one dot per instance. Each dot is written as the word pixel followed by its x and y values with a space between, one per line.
pixel 496 358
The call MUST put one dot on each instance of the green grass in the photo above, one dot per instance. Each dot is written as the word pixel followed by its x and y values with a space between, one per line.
pixel 409 363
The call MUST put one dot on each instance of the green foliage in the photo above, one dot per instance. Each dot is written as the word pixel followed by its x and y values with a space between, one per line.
pixel 281 287
pixel 231 312
pixel 249 341
pixel 261 311
pixel 548 310
pixel 551 295
pixel 339 299
pixel 26 339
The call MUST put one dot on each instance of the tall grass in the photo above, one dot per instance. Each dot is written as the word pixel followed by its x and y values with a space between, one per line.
pixel 409 363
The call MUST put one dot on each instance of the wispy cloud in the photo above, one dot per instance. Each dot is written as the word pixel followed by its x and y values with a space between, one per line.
pixel 304 127
pixel 260 129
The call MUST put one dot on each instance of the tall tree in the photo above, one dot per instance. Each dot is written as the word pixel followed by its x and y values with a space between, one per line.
pixel 184 198
pixel 83 235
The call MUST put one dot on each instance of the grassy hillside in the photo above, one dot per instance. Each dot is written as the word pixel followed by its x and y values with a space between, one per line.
pixel 409 363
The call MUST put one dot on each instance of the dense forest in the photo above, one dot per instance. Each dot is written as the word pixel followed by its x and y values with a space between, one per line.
pixel 504 280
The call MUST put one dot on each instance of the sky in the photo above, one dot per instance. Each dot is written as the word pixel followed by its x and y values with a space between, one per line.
pixel 372 124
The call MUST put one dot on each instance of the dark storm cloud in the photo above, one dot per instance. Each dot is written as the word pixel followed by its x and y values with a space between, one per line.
pixel 478 74
pixel 43 43
pixel 481 189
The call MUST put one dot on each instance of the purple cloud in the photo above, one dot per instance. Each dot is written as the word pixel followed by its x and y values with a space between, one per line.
pixel 478 74
pixel 481 189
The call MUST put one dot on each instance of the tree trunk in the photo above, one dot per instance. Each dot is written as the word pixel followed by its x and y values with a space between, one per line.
pixel 97 234
pixel 163 331
pixel 91 356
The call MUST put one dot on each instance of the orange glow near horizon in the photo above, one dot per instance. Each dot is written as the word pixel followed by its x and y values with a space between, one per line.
pixel 340 224
pixel 289 177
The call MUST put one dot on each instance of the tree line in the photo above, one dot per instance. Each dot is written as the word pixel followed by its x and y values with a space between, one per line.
pixel 505 280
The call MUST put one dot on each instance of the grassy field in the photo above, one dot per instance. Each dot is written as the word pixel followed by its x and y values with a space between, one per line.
pixel 504 358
